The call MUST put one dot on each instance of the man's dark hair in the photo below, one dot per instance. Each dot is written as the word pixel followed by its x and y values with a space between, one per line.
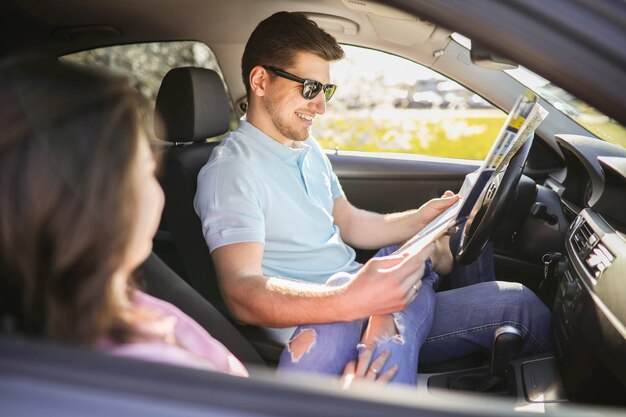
pixel 277 40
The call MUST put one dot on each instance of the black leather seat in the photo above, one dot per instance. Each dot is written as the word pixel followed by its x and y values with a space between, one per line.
pixel 192 106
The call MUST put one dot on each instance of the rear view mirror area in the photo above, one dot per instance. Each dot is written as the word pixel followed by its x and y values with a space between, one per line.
pixel 483 57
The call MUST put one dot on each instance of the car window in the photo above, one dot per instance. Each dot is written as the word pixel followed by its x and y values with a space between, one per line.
pixel 385 103
pixel 147 63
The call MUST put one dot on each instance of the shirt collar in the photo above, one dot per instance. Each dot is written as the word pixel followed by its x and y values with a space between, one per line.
pixel 283 152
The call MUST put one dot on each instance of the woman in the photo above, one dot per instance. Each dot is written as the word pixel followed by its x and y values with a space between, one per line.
pixel 79 208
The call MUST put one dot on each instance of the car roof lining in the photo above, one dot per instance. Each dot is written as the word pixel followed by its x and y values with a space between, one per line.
pixel 211 22
pixel 194 19
pixel 133 22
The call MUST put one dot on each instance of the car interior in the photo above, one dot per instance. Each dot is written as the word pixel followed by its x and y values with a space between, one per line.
pixel 562 232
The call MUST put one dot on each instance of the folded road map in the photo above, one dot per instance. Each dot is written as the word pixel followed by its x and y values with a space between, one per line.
pixel 522 121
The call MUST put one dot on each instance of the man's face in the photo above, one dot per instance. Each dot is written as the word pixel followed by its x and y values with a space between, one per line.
pixel 290 113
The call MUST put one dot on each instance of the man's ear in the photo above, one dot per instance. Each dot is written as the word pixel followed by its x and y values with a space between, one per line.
pixel 259 79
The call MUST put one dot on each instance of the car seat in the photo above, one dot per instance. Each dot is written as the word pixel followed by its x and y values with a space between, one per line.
pixel 192 106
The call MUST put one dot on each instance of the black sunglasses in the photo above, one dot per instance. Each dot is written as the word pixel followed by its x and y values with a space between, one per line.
pixel 310 88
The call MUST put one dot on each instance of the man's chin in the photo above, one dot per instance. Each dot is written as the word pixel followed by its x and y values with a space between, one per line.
pixel 295 133
pixel 300 136
pixel 304 135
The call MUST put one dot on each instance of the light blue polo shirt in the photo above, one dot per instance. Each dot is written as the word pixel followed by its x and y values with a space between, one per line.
pixel 253 189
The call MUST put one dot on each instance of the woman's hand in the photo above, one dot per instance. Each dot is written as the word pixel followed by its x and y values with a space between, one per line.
pixel 366 369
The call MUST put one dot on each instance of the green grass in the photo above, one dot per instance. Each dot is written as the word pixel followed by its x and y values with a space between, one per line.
pixel 452 134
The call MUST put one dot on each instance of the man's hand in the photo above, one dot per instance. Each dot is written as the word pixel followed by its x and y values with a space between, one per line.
pixel 442 258
pixel 384 285
pixel 433 208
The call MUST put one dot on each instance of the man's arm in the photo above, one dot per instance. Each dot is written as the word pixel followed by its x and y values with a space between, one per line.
pixel 382 286
pixel 366 230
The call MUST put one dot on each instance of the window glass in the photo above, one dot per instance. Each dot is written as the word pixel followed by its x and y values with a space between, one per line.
pixel 385 103
pixel 580 112
pixel 586 116
pixel 147 63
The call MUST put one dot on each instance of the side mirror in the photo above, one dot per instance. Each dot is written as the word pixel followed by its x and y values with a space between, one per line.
pixel 485 58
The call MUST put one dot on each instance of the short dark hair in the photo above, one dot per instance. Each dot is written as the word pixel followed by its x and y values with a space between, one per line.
pixel 277 40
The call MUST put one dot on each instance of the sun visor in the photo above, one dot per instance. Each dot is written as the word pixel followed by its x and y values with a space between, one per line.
pixel 393 25
pixel 402 32
pixel 335 24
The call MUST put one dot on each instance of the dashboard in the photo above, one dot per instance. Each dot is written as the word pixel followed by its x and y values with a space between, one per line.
pixel 589 314
pixel 592 175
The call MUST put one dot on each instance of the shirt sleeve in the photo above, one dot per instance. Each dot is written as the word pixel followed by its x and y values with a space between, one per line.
pixel 335 186
pixel 228 202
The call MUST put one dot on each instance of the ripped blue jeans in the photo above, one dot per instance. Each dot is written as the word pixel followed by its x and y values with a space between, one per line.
pixel 434 327
pixel 335 344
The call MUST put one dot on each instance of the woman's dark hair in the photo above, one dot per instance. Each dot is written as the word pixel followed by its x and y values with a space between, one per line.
pixel 277 40
pixel 68 139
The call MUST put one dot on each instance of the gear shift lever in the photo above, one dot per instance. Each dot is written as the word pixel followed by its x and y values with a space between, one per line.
pixel 507 343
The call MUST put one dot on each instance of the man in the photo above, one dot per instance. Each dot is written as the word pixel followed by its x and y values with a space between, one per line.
pixel 280 231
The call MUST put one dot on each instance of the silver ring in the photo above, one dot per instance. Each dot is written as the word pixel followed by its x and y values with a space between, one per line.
pixel 374 371
pixel 415 287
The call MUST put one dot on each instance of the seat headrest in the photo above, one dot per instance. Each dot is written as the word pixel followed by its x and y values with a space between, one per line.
pixel 191 105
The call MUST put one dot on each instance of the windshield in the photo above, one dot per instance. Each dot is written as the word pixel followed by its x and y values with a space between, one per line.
pixel 588 117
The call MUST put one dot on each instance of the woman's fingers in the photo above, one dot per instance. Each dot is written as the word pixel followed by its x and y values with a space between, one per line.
pixel 348 374
pixel 388 374
pixel 350 369
pixel 363 363
pixel 365 369
pixel 376 367
pixel 368 369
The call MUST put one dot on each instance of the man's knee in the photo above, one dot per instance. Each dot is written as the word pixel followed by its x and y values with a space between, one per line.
pixel 324 341
pixel 517 294
pixel 301 344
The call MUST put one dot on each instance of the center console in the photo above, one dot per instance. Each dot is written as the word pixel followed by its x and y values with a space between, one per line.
pixel 589 360
pixel 590 312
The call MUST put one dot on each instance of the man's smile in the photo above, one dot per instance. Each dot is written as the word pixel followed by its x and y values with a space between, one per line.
pixel 307 117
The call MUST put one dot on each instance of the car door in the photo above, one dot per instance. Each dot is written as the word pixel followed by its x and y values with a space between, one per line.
pixel 408 137
pixel 387 184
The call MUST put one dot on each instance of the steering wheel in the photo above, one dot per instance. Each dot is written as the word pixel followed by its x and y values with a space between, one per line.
pixel 491 206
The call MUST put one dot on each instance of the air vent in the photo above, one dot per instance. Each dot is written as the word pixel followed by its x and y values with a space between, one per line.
pixel 592 253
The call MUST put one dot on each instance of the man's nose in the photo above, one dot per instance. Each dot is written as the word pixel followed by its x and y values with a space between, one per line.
pixel 318 103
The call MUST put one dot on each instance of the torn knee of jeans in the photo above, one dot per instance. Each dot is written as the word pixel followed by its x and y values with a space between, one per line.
pixel 398 337
pixel 301 344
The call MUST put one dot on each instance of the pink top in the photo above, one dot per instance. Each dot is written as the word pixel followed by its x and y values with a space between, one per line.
pixel 184 341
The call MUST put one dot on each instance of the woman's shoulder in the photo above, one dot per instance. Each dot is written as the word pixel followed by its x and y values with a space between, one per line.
pixel 141 299
pixel 174 338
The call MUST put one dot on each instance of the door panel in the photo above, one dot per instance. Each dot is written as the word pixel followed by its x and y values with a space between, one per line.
pixel 385 184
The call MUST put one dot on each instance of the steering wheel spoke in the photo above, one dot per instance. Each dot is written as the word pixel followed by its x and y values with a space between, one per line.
pixel 491 207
